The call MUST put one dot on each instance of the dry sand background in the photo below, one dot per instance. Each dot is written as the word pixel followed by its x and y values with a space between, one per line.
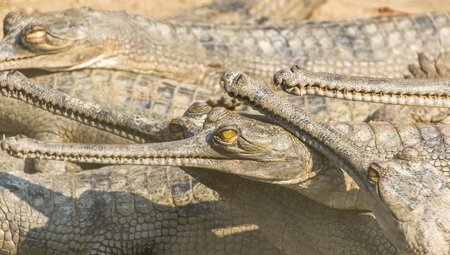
pixel 330 9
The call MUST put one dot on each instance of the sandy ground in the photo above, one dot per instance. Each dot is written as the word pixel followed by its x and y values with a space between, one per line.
pixel 154 8
pixel 330 9
pixel 340 9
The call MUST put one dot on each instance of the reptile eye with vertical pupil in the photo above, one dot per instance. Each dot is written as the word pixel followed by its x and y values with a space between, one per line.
pixel 373 175
pixel 226 135
pixel 35 35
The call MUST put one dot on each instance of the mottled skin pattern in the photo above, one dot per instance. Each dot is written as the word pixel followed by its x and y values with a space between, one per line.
pixel 384 139
pixel 120 210
pixel 137 93
pixel 293 220
pixel 418 92
pixel 314 177
pixel 408 195
pixel 429 88
pixel 141 94
pixel 83 38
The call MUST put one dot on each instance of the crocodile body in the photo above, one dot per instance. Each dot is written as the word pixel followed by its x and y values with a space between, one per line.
pixel 120 210
pixel 409 197
pixel 156 101
pixel 165 99
pixel 382 46
pixel 363 65
pixel 146 95
pixel 140 94
pixel 315 175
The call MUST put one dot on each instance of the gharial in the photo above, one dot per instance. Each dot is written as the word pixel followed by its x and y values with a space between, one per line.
pixel 212 154
pixel 141 94
pixel 162 105
pixel 119 210
pixel 407 195
pixel 382 46
pixel 22 48
pixel 138 93
pixel 34 42
pixel 210 220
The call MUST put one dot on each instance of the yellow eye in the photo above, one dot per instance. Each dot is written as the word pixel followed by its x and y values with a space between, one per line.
pixel 35 35
pixel 373 175
pixel 227 135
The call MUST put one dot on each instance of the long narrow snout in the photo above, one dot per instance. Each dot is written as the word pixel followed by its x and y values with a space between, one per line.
pixel 192 152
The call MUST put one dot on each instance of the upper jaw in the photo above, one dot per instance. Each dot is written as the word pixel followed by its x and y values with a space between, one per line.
pixel 11 57
pixel 65 58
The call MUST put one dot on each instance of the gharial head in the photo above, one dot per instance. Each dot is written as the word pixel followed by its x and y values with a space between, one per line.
pixel 41 40
pixel 223 141
pixel 418 198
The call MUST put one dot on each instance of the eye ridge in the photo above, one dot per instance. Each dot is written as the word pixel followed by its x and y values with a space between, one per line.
pixel 35 34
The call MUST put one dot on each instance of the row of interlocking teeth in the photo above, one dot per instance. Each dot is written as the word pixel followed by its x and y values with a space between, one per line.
pixel 372 96
pixel 60 110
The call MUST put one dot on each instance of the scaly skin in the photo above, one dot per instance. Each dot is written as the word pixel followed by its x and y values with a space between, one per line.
pixel 380 47
pixel 234 11
pixel 140 94
pixel 384 139
pixel 147 102
pixel 276 162
pixel 419 92
pixel 120 210
pixel 263 152
pixel 409 198
pixel 83 38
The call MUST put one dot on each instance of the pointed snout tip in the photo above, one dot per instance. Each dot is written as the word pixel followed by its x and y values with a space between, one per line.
pixel 280 77
pixel 231 81
pixel 228 80
pixel 9 144
pixel 286 77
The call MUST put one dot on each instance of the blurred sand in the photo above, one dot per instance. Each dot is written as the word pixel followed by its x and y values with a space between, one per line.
pixel 341 9
pixel 330 9
pixel 162 8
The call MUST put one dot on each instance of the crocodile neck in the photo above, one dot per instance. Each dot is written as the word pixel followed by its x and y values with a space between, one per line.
pixel 195 52
pixel 144 45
